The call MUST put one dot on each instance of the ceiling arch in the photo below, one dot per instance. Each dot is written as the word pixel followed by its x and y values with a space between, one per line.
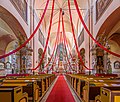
pixel 40 5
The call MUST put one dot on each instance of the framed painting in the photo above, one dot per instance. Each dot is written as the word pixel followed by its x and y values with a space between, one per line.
pixel 117 65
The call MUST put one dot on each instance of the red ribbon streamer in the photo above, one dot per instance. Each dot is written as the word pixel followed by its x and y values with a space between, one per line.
pixel 47 38
pixel 3 56
pixel 65 42
pixel 80 16
pixel 75 38
pixel 55 59
pixel 57 37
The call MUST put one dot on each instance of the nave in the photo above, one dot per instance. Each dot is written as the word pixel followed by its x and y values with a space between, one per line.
pixel 60 88
pixel 59 50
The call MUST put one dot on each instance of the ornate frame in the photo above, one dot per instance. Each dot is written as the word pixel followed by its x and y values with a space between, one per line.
pixel 117 65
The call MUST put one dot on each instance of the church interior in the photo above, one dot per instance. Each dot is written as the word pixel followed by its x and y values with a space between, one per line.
pixel 59 50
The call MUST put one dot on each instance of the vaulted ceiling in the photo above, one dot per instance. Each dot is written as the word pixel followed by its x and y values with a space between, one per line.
pixel 40 5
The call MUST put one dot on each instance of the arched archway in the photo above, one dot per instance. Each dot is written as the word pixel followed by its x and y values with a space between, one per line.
pixel 108 36
pixel 11 32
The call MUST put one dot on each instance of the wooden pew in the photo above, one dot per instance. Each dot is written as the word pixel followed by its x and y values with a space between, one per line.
pixel 29 86
pixel 40 83
pixel 47 79
pixel 92 89
pixel 77 82
pixel 43 81
pixel 12 94
pixel 109 94
pixel 86 90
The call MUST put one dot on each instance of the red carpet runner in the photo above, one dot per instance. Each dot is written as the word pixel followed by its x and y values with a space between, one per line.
pixel 60 92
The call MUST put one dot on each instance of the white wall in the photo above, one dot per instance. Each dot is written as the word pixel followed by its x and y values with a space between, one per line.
pixel 9 7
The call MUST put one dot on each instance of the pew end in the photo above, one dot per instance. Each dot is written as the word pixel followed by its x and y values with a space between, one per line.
pixel 12 94
pixel 110 94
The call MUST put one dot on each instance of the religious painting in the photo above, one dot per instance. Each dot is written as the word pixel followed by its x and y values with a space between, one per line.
pixel 8 65
pixel 21 7
pixel 99 60
pixel 41 38
pixel 101 6
pixel 2 65
pixel 81 38
pixel 2 60
pixel 117 65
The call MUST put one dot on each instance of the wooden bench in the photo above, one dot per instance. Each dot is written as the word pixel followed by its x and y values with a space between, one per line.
pixel 88 87
pixel 92 89
pixel 12 94
pixel 42 81
pixel 109 94
pixel 29 86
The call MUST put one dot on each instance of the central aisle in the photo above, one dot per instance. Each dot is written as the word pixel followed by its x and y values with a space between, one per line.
pixel 60 92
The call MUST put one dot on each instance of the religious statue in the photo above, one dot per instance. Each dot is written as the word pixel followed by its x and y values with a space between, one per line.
pixel 109 68
pixel 94 63
pixel 107 45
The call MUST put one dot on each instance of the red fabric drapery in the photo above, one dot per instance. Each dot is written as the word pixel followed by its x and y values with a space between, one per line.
pixel 75 38
pixel 57 38
pixel 64 38
pixel 80 16
pixel 23 45
pixel 47 37
pixel 66 42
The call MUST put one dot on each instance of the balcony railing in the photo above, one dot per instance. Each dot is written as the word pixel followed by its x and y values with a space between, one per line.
pixel 21 7
pixel 101 6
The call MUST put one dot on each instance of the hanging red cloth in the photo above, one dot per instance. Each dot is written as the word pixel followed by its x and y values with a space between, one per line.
pixel 64 41
pixel 23 45
pixel 88 32
pixel 56 41
pixel 75 38
pixel 47 38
